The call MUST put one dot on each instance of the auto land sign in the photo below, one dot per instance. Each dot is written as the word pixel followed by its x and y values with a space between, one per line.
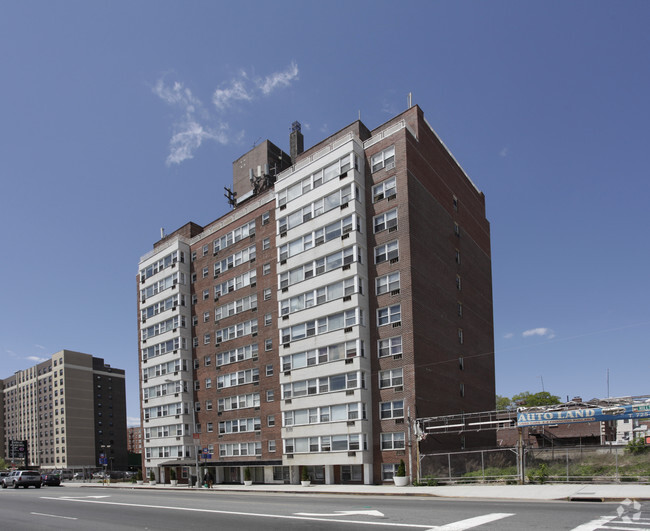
pixel 567 416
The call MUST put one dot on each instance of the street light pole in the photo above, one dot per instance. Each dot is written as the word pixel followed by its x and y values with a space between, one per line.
pixel 105 448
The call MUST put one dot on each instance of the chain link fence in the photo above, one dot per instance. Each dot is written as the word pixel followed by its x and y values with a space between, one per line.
pixel 579 464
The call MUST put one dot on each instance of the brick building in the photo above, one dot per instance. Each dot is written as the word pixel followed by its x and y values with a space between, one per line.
pixel 70 409
pixel 347 291
pixel 134 444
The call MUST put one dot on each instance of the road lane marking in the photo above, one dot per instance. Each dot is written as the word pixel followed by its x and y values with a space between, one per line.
pixel 494 516
pixel 54 516
pixel 344 513
pixel 461 525
pixel 595 524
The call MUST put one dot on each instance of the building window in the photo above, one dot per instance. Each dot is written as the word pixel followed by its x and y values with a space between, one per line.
pixel 458 283
pixel 460 336
pixel 266 269
pixel 387 283
pixel 383 159
pixel 391 378
pixel 462 389
pixel 205 250
pixel 208 383
pixel 209 427
pixel 207 361
pixel 206 339
pixel 269 370
pixel 266 244
pixel 205 272
pixel 194 298
pixel 391 314
pixel 268 319
pixel 266 218
pixel 195 341
pixel 193 256
pixel 270 421
pixel 459 308
pixel 206 294
pixel 391 410
pixel 195 320
pixel 268 344
pixel 392 441
pixel 270 395
pixel 387 220
pixel 206 317
pixel 391 346
pixel 456 229
pixel 272 449
pixel 455 203
pixel 388 251
pixel 267 294
pixel 208 405
pixel 384 189
pixel 461 363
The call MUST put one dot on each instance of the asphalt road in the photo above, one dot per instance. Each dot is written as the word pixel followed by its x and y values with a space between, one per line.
pixel 72 508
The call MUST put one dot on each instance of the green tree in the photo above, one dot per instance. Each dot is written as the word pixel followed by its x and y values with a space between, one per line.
pixel 3 464
pixel 543 398
pixel 503 402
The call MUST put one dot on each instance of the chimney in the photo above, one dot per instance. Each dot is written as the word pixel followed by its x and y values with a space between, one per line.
pixel 296 142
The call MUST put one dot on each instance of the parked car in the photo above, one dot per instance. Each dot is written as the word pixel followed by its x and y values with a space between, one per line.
pixel 22 478
pixel 50 480
pixel 78 475
pixel 99 475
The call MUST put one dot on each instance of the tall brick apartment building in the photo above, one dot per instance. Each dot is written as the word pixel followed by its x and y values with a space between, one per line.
pixel 70 409
pixel 346 293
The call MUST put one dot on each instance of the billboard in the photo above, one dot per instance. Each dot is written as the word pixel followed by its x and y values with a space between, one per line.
pixel 597 414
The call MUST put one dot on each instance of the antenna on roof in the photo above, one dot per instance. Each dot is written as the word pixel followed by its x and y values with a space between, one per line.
pixel 162 232
pixel 409 100
pixel 255 143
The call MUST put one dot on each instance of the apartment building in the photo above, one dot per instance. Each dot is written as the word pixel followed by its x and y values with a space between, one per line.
pixel 347 292
pixel 70 409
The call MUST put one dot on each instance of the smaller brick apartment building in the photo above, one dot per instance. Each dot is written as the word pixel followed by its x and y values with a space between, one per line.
pixel 347 292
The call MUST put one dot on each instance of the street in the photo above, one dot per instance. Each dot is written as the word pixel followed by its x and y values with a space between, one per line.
pixel 104 509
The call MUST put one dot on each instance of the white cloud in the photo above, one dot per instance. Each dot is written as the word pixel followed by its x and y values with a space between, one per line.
pixel 509 335
pixel 36 359
pixel 279 79
pixel 543 332
pixel 236 92
pixel 195 125
pixel 41 347
pixel 504 152
pixel 188 138
pixel 133 422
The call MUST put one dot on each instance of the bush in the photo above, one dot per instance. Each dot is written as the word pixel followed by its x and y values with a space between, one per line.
pixel 172 474
pixel 539 475
pixel 247 473
pixel 637 446
pixel 152 476
pixel 401 469
pixel 304 475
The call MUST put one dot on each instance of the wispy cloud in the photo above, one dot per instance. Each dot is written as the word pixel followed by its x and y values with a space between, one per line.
pixel 503 153
pixel 40 347
pixel 279 79
pixel 132 422
pixel 196 125
pixel 509 335
pixel 543 332
pixel 35 359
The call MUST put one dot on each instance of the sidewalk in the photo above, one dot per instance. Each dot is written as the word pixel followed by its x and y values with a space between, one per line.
pixel 566 492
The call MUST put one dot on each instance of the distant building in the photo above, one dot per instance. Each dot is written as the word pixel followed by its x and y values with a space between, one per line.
pixel 70 409
pixel 134 440
pixel 348 292
pixel 629 429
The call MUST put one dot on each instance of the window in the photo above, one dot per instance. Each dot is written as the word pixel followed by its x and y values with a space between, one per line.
pixel 383 159
pixel 390 378
pixel 388 251
pixel 458 283
pixel 193 278
pixel 460 336
pixel 267 294
pixel 455 203
pixel 456 229
pixel 206 339
pixel 387 220
pixel 457 256
pixel 206 317
pixel 266 244
pixel 265 218
pixel 270 421
pixel 269 370
pixel 392 441
pixel 268 344
pixel 272 449
pixel 205 250
pixel 391 410
pixel 208 383
pixel 268 319
pixel 388 471
pixel 205 272
pixel 461 363
pixel 459 308
pixel 385 189
pixel 266 269
pixel 209 427
pixel 206 294
pixel 195 320
pixel 389 347
pixel 270 395
pixel 207 361
pixel 462 389
pixel 387 283
pixel 391 314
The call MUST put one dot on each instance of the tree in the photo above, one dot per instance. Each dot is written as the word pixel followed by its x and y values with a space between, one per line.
pixel 503 403
pixel 543 398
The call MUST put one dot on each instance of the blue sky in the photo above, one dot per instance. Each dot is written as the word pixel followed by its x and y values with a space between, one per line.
pixel 119 118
